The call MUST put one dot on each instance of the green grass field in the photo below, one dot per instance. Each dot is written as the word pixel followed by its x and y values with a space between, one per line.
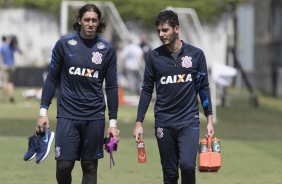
pixel 250 138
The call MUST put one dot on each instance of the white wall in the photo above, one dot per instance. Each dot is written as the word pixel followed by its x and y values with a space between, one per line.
pixel 36 31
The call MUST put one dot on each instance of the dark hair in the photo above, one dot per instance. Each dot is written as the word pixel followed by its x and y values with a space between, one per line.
pixel 13 41
pixel 89 8
pixel 167 16
pixel 4 38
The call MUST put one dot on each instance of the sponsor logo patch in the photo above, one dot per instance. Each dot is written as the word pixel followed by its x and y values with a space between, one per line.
pixel 171 79
pixel 86 72
pixel 72 42
pixel 101 45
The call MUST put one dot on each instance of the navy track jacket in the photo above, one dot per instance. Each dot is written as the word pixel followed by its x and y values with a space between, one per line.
pixel 78 68
pixel 178 83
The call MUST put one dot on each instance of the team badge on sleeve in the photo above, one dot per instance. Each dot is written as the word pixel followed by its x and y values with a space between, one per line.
pixel 97 57
pixel 186 61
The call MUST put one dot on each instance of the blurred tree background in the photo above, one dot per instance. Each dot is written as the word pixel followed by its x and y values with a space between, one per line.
pixel 140 10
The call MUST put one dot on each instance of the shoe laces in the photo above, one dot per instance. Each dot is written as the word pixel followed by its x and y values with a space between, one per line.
pixel 40 144
pixel 32 142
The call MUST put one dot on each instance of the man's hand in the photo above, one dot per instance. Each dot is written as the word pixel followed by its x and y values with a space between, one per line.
pixel 113 132
pixel 138 132
pixel 210 126
pixel 42 123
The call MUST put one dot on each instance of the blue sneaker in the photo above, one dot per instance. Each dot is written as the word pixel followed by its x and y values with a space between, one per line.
pixel 43 145
pixel 31 152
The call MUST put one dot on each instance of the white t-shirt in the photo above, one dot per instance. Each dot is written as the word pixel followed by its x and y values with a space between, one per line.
pixel 132 55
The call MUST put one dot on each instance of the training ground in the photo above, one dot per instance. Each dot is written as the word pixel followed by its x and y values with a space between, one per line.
pixel 250 138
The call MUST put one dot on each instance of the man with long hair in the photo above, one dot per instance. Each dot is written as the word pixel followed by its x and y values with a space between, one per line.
pixel 80 64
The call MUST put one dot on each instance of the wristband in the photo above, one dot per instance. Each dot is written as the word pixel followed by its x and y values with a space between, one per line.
pixel 43 112
pixel 113 123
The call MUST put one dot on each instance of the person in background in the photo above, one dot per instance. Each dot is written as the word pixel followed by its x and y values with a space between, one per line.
pixel 7 54
pixel 145 46
pixel 79 66
pixel 178 70
pixel 132 66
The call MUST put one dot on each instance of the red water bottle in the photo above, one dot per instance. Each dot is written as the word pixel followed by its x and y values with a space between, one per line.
pixel 141 152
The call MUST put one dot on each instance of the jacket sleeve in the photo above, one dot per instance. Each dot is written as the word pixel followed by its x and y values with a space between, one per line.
pixel 202 85
pixel 53 76
pixel 111 86
pixel 147 90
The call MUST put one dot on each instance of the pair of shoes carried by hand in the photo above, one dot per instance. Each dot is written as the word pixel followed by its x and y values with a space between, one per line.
pixel 39 146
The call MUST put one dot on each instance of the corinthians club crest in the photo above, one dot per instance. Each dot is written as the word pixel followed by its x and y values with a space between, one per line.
pixel 186 61
pixel 160 132
pixel 97 58
pixel 57 151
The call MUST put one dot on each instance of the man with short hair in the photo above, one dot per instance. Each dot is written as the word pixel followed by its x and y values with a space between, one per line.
pixel 132 64
pixel 7 58
pixel 179 72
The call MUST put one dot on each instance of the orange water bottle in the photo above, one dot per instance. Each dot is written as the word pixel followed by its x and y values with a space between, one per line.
pixel 141 152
